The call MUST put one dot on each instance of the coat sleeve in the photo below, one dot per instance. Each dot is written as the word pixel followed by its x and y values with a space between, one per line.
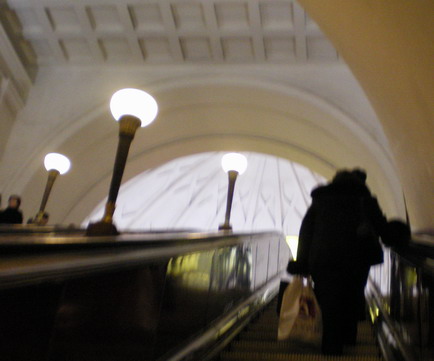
pixel 301 266
pixel 392 233
pixel 377 218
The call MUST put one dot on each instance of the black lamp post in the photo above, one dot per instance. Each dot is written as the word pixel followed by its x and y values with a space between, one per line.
pixel 233 164
pixel 55 164
pixel 132 108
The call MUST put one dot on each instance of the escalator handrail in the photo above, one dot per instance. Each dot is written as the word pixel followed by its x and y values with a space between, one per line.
pixel 419 253
pixel 388 328
pixel 27 260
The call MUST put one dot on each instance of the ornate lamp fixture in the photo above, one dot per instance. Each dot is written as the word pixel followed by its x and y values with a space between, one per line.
pixel 55 164
pixel 132 108
pixel 233 164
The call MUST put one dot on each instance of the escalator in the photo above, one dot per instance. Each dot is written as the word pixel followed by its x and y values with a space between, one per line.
pixel 258 342
pixel 186 297
pixel 135 297
pixel 400 299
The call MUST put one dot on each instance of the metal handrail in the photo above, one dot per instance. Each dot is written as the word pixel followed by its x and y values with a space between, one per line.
pixel 417 255
pixel 32 259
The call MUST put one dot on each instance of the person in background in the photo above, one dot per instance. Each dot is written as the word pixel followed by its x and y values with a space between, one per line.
pixel 12 214
pixel 329 251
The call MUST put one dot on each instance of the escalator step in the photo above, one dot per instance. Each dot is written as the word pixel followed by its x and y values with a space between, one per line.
pixel 260 356
pixel 258 342
pixel 262 335
pixel 294 347
pixel 271 347
pixel 268 334
pixel 270 329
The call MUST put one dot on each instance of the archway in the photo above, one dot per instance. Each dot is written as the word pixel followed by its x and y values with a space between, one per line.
pixel 208 116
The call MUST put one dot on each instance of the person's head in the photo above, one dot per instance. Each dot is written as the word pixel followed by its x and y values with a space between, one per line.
pixel 343 175
pixel 14 201
pixel 356 175
pixel 360 174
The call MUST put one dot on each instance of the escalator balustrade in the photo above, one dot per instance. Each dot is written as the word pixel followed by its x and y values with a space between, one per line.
pixel 136 296
pixel 400 294
pixel 187 296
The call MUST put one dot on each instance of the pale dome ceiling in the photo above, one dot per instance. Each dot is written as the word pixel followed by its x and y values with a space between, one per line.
pixel 190 193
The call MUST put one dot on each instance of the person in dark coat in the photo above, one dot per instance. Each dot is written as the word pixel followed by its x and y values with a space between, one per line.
pixel 332 253
pixel 12 214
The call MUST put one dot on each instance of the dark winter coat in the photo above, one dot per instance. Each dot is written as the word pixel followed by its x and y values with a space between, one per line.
pixel 328 237
pixel 11 216
pixel 332 251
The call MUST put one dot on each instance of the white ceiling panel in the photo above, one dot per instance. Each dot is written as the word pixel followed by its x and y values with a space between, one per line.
pixel 173 31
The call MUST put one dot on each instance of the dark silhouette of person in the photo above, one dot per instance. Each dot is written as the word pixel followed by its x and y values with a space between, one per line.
pixel 331 252
pixel 12 214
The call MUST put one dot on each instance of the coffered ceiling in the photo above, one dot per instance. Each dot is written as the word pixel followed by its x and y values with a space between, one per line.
pixel 38 33
pixel 162 31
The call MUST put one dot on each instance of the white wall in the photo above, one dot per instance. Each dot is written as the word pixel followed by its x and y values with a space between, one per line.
pixel 389 47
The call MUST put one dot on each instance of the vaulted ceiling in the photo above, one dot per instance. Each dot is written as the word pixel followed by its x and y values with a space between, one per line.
pixel 48 32
pixel 35 33
pixel 44 33
pixel 386 45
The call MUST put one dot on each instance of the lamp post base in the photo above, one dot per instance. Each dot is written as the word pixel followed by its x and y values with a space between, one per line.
pixel 40 219
pixel 225 227
pixel 101 228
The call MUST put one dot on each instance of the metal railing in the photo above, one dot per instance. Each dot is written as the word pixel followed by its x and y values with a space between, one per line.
pixel 401 298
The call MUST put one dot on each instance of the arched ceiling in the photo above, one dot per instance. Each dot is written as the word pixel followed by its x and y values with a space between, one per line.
pixel 47 33
pixel 37 34
pixel 168 31
pixel 59 35
pixel 208 116
pixel 389 46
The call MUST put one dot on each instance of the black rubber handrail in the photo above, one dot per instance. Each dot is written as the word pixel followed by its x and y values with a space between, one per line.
pixel 27 260
pixel 419 252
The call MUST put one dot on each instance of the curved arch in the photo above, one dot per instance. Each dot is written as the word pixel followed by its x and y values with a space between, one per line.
pixel 204 115
pixel 25 169
pixel 151 158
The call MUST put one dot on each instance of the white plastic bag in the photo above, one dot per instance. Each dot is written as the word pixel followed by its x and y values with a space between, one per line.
pixel 300 315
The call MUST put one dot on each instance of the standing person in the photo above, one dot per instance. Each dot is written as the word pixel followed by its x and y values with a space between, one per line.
pixel 12 214
pixel 329 250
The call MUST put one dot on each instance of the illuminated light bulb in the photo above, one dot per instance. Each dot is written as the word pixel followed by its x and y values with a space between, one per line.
pixel 134 102
pixel 56 161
